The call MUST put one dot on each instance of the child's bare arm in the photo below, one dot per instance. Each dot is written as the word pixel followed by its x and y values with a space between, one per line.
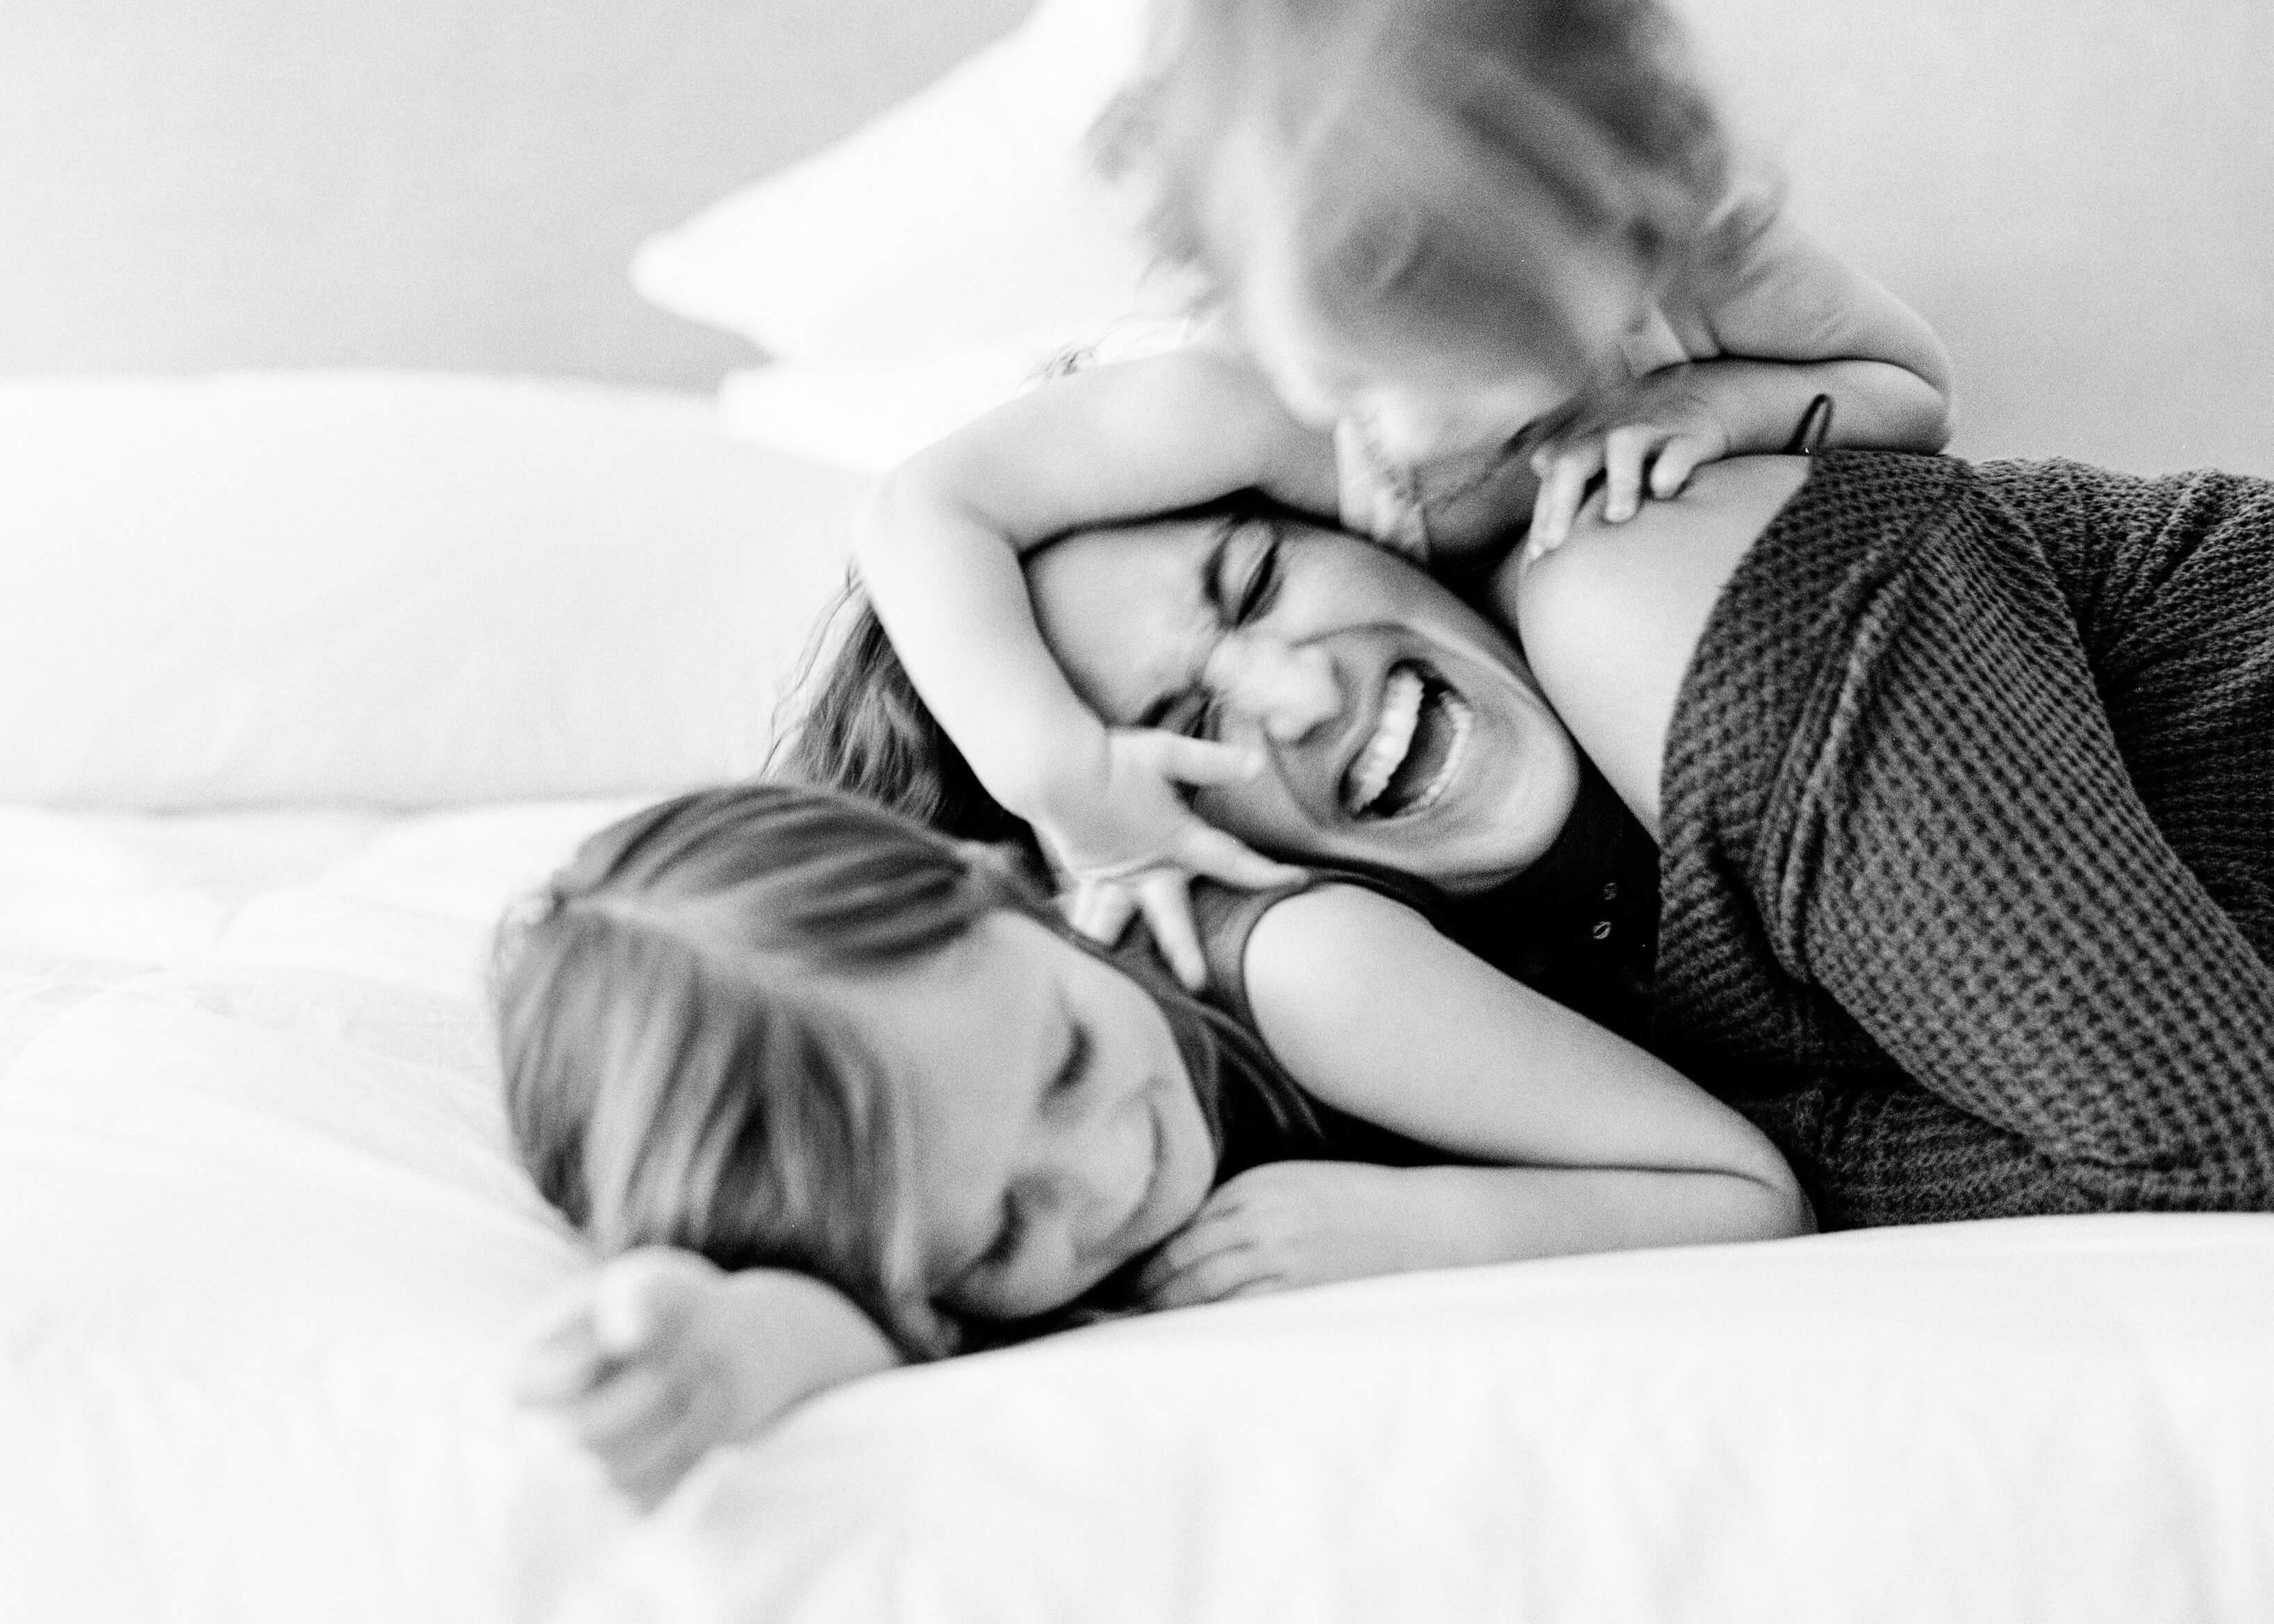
pixel 1601 1146
pixel 1309 1223
pixel 938 549
pixel 939 544
pixel 662 1356
pixel 1790 323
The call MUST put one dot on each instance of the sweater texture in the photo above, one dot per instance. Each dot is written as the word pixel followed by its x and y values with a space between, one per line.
pixel 1967 877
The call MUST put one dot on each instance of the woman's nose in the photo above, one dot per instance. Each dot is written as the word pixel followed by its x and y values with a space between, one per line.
pixel 1286 689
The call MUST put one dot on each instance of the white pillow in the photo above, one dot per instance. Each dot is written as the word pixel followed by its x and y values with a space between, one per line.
pixel 395 590
pixel 966 215
pixel 867 412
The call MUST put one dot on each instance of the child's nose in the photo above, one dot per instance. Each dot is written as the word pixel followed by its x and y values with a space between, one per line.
pixel 1286 689
pixel 1097 1168
pixel 1411 431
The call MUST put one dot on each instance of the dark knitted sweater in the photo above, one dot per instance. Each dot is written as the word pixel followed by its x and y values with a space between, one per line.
pixel 1967 867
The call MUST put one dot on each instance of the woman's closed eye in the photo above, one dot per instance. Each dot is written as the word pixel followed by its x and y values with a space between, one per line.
pixel 1241 582
pixel 1248 573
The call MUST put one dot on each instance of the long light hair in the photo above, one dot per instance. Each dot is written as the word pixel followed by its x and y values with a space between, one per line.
pixel 1418 142
pixel 681 1065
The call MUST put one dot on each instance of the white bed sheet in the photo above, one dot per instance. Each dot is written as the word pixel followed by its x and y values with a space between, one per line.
pixel 263 1251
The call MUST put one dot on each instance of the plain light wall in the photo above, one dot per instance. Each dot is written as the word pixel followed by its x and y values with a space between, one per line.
pixel 2079 194
pixel 188 184
pixel 2075 191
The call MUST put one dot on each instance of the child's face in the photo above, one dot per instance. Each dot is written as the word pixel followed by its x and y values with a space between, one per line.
pixel 1430 364
pixel 1054 1132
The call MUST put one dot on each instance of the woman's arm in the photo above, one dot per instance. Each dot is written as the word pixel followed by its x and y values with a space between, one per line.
pixel 1598 1145
pixel 1609 622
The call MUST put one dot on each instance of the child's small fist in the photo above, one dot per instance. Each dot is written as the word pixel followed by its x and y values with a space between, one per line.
pixel 629 1372
pixel 661 1357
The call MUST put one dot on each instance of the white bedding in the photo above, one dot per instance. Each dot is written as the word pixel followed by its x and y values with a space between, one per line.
pixel 264 1250
pixel 262 1244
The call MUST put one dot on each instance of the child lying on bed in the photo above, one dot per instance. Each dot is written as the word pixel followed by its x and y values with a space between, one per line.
pixel 879 1102
pixel 1475 254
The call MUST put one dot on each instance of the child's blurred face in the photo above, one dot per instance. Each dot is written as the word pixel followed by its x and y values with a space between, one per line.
pixel 1399 729
pixel 1053 1131
pixel 1436 359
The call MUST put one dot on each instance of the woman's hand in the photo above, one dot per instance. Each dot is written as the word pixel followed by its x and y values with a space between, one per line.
pixel 1129 843
pixel 1295 1224
pixel 1645 438
pixel 661 1357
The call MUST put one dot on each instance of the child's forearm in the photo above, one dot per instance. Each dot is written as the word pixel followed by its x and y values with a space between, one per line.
pixel 940 545
pixel 1793 321
pixel 950 593
pixel 1497 1214
pixel 1881 404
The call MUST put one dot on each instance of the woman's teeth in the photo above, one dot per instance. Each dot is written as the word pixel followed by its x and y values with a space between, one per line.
pixel 1415 746
pixel 1393 734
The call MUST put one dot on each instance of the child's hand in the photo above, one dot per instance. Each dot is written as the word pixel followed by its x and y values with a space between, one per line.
pixel 1285 1224
pixel 1646 437
pixel 1135 844
pixel 664 1357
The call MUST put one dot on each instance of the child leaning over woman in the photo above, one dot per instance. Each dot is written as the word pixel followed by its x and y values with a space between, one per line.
pixel 1476 255
pixel 879 1101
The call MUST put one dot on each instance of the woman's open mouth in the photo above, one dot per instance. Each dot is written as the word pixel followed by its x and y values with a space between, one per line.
pixel 1415 749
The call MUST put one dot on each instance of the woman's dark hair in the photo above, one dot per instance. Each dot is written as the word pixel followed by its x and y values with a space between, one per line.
pixel 854 722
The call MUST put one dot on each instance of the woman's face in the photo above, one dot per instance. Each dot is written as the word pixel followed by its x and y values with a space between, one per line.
pixel 1054 1130
pixel 1398 727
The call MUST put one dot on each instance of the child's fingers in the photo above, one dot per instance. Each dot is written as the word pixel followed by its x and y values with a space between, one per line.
pixel 1168 910
pixel 1211 1279
pixel 647 1481
pixel 643 1296
pixel 1100 909
pixel 1231 861
pixel 1215 1232
pixel 559 1354
pixel 1677 459
pixel 1202 763
pixel 648 1463
pixel 1561 491
pixel 617 1418
pixel 1626 450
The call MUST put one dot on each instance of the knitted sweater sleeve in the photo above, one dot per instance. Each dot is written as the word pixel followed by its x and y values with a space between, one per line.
pixel 1917 913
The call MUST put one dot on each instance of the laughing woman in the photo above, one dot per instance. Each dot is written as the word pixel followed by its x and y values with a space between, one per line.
pixel 1920 811
pixel 1925 810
